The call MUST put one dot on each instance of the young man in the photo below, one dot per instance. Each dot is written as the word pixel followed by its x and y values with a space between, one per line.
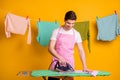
pixel 62 44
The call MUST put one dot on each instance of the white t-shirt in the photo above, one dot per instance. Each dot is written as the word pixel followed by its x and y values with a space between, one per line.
pixel 70 32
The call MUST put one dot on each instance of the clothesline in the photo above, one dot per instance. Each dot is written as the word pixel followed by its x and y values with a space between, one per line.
pixel 6 11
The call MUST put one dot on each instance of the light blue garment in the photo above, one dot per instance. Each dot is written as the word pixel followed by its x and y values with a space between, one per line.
pixel 45 31
pixel 107 27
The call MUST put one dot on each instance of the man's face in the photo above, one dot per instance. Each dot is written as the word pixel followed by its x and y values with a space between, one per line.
pixel 69 24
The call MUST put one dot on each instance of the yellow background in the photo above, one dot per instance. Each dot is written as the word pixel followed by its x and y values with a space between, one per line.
pixel 16 55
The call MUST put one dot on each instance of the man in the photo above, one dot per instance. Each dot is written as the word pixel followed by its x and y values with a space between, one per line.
pixel 62 43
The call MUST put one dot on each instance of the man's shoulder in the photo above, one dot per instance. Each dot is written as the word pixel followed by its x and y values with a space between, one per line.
pixel 76 31
pixel 56 29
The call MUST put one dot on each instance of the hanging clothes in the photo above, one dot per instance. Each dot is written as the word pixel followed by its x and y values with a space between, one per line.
pixel 83 29
pixel 107 27
pixel 45 31
pixel 17 25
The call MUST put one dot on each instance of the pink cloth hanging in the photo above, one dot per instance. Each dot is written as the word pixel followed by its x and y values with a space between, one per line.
pixel 18 25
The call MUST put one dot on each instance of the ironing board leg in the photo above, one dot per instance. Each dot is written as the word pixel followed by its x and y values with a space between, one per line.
pixel 44 77
pixel 64 78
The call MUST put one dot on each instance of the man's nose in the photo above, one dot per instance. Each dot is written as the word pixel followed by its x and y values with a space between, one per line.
pixel 70 25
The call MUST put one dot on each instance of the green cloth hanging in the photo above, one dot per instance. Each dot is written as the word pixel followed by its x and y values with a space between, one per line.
pixel 83 29
pixel 45 31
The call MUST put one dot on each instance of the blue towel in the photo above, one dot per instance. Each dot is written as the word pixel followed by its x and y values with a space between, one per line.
pixel 45 31
pixel 107 27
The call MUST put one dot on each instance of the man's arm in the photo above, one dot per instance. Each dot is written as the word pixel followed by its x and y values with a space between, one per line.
pixel 82 56
pixel 53 52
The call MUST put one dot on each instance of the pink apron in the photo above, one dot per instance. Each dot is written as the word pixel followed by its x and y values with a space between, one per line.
pixel 65 48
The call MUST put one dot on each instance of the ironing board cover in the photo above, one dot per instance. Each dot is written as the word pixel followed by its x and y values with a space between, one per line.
pixel 38 73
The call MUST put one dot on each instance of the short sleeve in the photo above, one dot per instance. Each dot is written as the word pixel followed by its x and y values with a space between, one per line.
pixel 78 38
pixel 54 34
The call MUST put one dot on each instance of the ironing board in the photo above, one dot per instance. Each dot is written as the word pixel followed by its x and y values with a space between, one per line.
pixel 50 73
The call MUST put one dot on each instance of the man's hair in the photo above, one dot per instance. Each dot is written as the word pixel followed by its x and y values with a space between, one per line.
pixel 70 15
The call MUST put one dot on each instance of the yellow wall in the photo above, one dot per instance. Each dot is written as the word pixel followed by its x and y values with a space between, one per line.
pixel 16 55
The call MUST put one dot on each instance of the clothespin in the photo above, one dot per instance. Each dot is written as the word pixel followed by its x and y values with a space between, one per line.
pixel 26 17
pixel 55 21
pixel 39 19
pixel 96 17
pixel 115 12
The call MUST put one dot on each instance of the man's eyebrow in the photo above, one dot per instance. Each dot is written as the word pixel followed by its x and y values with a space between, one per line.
pixel 70 23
